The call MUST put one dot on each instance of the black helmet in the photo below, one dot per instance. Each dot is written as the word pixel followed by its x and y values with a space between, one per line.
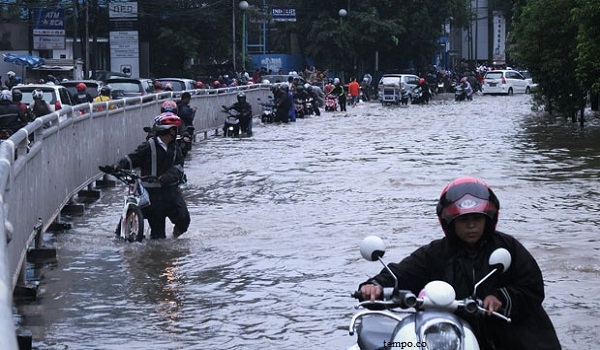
pixel 105 90
pixel 241 96
pixel 467 195
pixel 17 95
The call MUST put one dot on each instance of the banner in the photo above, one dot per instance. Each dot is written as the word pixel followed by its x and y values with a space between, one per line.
pixel 283 14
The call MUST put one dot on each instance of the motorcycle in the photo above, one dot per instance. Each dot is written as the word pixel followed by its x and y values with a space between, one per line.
pixel 460 94
pixel 426 321
pixel 268 111
pixel 331 103
pixel 231 127
pixel 131 222
pixel 299 107
pixel 419 97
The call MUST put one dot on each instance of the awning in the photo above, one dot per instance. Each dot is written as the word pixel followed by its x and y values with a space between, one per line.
pixel 23 60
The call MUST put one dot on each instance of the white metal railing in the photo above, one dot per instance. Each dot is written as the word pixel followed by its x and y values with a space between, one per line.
pixel 45 164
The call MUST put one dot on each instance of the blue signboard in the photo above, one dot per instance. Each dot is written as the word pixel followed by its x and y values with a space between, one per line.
pixel 48 22
pixel 283 14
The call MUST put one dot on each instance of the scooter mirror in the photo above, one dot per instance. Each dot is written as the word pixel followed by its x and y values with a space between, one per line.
pixel 502 257
pixel 372 248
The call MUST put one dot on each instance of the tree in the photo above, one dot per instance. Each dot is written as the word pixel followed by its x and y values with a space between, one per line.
pixel 545 42
pixel 587 16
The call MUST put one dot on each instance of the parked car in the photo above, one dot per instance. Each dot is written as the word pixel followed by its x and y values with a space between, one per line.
pixel 506 82
pixel 56 95
pixel 397 82
pixel 131 87
pixel 178 84
pixel 533 86
pixel 93 86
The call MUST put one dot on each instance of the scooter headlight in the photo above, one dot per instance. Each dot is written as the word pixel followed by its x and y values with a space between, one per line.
pixel 443 336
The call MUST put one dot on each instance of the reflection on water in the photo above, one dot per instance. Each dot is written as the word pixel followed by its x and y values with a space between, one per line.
pixel 272 253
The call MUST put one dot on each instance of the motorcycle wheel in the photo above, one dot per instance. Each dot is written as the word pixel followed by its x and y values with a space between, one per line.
pixel 134 225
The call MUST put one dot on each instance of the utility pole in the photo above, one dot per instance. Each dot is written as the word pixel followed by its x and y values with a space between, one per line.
pixel 87 40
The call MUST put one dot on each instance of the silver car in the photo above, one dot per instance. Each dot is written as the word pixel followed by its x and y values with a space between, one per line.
pixel 505 82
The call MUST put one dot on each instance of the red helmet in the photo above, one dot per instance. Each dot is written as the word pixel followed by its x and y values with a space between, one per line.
pixel 216 83
pixel 199 84
pixel 81 87
pixel 166 121
pixel 463 79
pixel 169 106
pixel 421 81
pixel 168 87
pixel 157 84
pixel 467 195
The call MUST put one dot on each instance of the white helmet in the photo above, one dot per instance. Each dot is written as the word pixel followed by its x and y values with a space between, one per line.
pixel 5 95
pixel 266 81
pixel 37 94
pixel 306 85
pixel 336 80
pixel 11 74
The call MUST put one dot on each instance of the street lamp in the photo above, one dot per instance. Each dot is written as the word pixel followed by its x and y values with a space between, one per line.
pixel 244 6
pixel 343 13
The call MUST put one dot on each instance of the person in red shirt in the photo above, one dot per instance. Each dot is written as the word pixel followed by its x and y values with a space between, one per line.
pixel 354 90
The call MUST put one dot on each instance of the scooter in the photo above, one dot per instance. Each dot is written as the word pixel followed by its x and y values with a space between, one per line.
pixel 231 127
pixel 460 94
pixel 431 323
pixel 268 112
pixel 331 103
pixel 299 107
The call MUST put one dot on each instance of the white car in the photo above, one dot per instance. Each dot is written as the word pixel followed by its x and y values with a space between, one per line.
pixel 56 95
pixel 506 82
pixel 395 83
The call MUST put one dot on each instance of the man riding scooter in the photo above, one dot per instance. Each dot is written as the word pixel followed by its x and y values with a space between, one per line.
pixel 245 113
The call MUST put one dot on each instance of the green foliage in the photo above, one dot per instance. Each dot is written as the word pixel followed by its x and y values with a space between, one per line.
pixel 587 16
pixel 545 43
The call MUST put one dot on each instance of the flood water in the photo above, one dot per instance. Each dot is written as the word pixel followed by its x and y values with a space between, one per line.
pixel 272 252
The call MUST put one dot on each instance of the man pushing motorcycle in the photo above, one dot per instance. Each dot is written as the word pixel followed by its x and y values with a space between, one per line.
pixel 160 157
pixel 468 213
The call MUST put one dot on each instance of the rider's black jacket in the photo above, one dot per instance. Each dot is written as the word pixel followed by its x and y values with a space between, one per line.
pixel 244 108
pixel 169 163
pixel 11 116
pixel 520 288
pixel 82 97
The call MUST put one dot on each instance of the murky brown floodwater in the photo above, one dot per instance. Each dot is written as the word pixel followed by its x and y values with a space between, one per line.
pixel 272 252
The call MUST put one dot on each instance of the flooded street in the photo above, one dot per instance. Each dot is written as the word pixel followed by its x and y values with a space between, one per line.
pixel 272 252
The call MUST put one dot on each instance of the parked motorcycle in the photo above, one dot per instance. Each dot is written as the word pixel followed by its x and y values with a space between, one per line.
pixel 426 321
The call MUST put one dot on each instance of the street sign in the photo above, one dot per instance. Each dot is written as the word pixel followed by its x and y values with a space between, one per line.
pixel 122 10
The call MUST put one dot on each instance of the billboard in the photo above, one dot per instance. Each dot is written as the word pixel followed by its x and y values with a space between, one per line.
pixel 48 29
pixel 283 14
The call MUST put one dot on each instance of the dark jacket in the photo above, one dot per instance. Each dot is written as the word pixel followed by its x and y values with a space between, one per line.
pixel 186 113
pixel 82 97
pixel 520 288
pixel 11 116
pixel 169 164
